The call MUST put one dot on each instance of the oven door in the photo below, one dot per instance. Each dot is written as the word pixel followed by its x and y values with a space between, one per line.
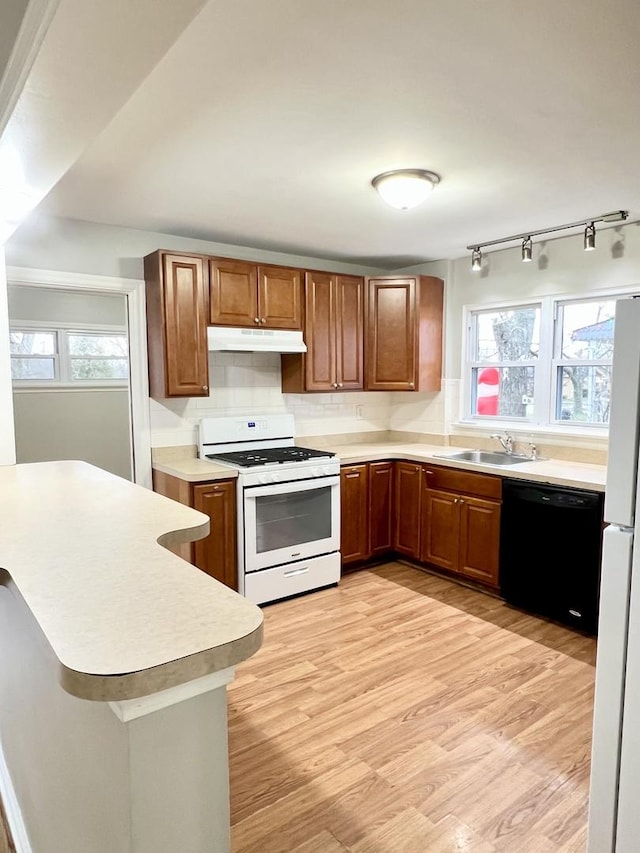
pixel 286 522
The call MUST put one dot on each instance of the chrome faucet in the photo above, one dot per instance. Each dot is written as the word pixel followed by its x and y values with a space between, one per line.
pixel 506 441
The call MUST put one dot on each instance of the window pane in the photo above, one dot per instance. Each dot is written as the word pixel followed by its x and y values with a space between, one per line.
pixel 505 392
pixel 584 394
pixel 32 343
pixel 587 329
pixel 107 345
pixel 511 335
pixel 33 368
pixel 99 368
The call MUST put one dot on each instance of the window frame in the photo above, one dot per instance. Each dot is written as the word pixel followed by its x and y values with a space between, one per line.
pixel 543 418
pixel 63 358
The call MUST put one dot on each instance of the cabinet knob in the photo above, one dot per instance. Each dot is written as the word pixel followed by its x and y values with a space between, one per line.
pixel 339 384
pixel 205 387
pixel 412 385
pixel 263 321
pixel 256 319
pixel 334 384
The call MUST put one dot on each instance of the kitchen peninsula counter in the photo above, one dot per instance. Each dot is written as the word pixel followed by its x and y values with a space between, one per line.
pixel 115 655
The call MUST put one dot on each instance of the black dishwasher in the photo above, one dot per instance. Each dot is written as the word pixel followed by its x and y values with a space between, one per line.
pixel 550 549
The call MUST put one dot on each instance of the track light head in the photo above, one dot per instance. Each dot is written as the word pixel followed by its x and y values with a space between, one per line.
pixel 476 259
pixel 590 238
pixel 527 249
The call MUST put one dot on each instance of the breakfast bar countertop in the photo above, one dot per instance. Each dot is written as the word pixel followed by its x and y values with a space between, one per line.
pixel 123 616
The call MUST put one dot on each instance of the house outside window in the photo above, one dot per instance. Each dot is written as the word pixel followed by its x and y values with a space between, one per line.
pixel 544 363
pixel 58 357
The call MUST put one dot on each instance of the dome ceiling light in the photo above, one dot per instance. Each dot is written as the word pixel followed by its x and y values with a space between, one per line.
pixel 405 188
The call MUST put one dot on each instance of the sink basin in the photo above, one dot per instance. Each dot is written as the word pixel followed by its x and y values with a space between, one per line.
pixel 486 457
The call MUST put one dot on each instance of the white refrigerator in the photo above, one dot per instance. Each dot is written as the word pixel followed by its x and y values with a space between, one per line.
pixel 614 803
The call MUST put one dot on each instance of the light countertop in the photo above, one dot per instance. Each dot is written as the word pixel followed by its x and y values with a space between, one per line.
pixel 123 615
pixel 581 475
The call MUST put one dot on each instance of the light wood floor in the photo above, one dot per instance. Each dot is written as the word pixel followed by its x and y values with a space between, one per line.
pixel 402 713
pixel 6 845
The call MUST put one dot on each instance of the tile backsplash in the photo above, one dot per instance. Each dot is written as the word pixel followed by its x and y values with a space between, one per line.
pixel 245 383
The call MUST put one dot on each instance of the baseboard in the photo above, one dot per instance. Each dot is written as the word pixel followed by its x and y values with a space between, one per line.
pixel 15 823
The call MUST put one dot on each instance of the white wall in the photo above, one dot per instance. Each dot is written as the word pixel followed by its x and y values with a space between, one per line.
pixel 7 436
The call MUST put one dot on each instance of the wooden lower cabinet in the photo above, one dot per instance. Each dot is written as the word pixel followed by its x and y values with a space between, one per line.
pixel 461 530
pixel 354 509
pixel 216 554
pixel 380 508
pixel 366 506
pixel 408 508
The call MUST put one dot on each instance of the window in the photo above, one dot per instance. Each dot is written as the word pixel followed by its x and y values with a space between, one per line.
pixel 543 363
pixel 68 357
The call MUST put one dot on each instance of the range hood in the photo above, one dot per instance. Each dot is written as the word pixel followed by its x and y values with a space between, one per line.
pixel 235 339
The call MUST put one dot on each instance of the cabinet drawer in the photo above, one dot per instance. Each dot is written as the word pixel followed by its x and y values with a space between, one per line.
pixel 466 482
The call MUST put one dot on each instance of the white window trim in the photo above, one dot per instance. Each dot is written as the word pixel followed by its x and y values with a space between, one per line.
pixel 545 359
pixel 62 357
pixel 134 291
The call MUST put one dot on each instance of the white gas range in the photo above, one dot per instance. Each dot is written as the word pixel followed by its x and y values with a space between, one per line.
pixel 288 505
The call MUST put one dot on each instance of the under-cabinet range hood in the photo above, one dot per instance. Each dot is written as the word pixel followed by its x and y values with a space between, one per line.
pixel 254 340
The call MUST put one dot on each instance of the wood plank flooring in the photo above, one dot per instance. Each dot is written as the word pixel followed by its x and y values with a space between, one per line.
pixel 6 844
pixel 402 713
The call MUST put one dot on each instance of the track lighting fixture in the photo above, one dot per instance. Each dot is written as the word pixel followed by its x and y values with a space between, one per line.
pixel 589 236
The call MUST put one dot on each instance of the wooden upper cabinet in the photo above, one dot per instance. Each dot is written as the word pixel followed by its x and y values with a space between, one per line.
pixel 333 331
pixel 403 348
pixel 249 295
pixel 280 297
pixel 233 292
pixel 177 310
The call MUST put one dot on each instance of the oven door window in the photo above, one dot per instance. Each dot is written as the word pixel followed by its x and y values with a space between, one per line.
pixel 285 521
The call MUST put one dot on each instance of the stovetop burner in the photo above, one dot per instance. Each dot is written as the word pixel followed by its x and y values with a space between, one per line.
pixel 274 455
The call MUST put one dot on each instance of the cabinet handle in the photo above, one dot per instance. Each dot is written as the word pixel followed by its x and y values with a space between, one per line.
pixel 263 320
pixel 461 501
pixel 339 384
pixel 412 385
pixel 351 476
pixel 455 500
pixel 334 384
pixel 256 319
pixel 205 387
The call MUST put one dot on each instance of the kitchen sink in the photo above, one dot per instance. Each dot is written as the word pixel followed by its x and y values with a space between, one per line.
pixel 486 457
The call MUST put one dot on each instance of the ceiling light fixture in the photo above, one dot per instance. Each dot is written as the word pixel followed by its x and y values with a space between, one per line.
pixel 590 238
pixel 405 188
pixel 589 235
pixel 527 248
pixel 476 259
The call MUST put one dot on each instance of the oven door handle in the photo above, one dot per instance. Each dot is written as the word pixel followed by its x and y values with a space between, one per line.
pixel 290 487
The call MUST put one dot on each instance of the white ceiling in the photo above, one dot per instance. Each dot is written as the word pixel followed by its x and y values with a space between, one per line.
pixel 264 123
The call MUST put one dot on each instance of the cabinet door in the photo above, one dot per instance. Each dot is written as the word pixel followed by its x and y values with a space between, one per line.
pixel 440 529
pixel 280 298
pixel 185 328
pixel 380 507
pixel 407 488
pixel 479 539
pixel 234 293
pixel 349 332
pixel 216 553
pixel 391 335
pixel 319 332
pixel 354 535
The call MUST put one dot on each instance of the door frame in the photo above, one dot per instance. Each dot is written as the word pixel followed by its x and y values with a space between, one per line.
pixel 134 291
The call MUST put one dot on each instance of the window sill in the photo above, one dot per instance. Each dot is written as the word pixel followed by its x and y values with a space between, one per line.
pixel 571 431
